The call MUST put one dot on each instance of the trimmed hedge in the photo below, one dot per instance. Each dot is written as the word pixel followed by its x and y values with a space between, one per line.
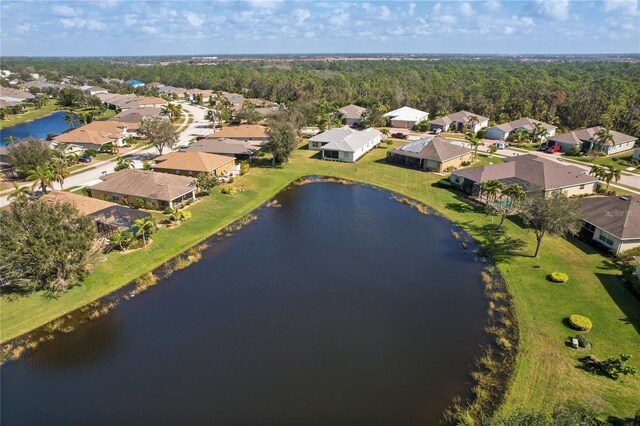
pixel 558 277
pixel 580 323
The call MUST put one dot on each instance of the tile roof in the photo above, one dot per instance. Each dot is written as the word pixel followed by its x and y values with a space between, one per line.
pixel 433 148
pixel 135 115
pixel 223 146
pixel 619 216
pixel 196 161
pixel 14 95
pixel 589 135
pixel 539 172
pixel 147 184
pixel 242 131
pixel 459 117
pixel 97 132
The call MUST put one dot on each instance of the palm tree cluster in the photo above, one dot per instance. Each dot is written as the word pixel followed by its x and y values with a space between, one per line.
pixel 606 174
pixel 502 199
pixel 173 111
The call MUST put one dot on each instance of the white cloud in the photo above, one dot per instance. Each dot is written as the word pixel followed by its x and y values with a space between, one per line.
pixel 149 29
pixel 67 11
pixel 385 13
pixel 447 19
pixel 89 24
pixel 493 5
pixel 301 15
pixel 265 4
pixel 309 34
pixel 412 9
pixel 466 9
pixel 24 28
pixel 339 18
pixel 130 20
pixel 194 19
pixel 509 30
pixel 624 6
pixel 555 9
pixel 108 4
pixel 436 8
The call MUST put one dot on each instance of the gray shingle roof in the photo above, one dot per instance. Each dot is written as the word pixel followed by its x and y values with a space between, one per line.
pixel 523 123
pixel 589 135
pixel 147 184
pixel 619 216
pixel 352 111
pixel 223 146
pixel 345 138
pixel 460 117
pixel 433 148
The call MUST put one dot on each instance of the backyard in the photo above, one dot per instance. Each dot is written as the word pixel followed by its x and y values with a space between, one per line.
pixel 547 369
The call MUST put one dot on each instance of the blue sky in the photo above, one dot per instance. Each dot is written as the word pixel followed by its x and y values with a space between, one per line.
pixel 121 27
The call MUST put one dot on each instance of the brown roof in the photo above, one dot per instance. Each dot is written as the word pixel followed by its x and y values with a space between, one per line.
pixel 523 123
pixel 589 135
pixel 242 131
pixel 135 115
pixel 15 93
pixel 459 117
pixel 223 146
pixel 191 161
pixel 434 148
pixel 619 216
pixel 97 132
pixel 537 171
pixel 352 111
pixel 147 184
pixel 97 209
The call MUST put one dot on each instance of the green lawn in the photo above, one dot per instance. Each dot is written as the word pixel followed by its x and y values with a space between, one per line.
pixel 620 161
pixel 31 115
pixel 546 369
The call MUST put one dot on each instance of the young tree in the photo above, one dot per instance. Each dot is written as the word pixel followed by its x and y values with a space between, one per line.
pixel 283 137
pixel 205 182
pixel 608 174
pixel 144 226
pixel 475 143
pixel 19 193
pixel 507 201
pixel 59 172
pixel 553 214
pixel 160 133
pixel 47 244
pixel 123 164
pixel 29 154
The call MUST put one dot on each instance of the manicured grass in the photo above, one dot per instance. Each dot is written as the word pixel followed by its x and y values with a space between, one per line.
pixel 622 161
pixel 31 115
pixel 546 369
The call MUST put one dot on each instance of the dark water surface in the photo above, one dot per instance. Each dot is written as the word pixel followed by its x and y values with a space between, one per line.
pixel 340 307
pixel 38 129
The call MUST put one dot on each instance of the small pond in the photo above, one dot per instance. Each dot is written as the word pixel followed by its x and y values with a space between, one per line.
pixel 38 129
pixel 340 307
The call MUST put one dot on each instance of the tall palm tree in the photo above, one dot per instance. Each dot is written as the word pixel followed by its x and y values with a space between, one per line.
pixel 70 119
pixel 62 148
pixel 539 133
pixel 603 137
pixel 610 173
pixel 491 189
pixel 471 123
pixel 143 226
pixel 41 175
pixel 60 173
pixel 475 143
pixel 514 194
pixel 19 193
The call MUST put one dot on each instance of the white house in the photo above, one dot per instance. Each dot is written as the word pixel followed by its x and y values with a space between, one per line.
pixel 352 114
pixel 587 140
pixel 405 117
pixel 93 90
pixel 502 131
pixel 345 144
pixel 458 121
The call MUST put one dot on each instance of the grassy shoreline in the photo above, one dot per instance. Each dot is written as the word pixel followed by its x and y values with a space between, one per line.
pixel 546 370
pixel 35 114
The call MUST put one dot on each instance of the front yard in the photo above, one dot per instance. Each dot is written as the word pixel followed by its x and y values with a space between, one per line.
pixel 546 369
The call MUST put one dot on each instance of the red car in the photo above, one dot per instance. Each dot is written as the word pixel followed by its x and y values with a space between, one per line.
pixel 399 135
pixel 552 149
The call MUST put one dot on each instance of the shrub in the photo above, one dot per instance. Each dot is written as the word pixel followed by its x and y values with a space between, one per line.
pixel 465 163
pixel 558 277
pixel 229 190
pixel 421 126
pixel 580 323
pixel 574 152
pixel 582 341
pixel 481 133
pixel 244 167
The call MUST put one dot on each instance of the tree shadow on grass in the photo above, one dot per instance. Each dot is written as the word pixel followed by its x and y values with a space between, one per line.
pixel 622 296
pixel 496 242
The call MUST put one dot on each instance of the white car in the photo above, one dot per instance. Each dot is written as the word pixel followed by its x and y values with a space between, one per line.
pixel 437 131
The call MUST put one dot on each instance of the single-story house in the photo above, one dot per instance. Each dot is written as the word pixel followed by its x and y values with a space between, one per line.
pixel 162 190
pixel 116 100
pixel 502 131
pixel 459 121
pixel 229 147
pixel 321 139
pixel 108 217
pixel 179 92
pixel 636 154
pixel 233 98
pixel 93 90
pixel 206 94
pixel 96 134
pixel 346 144
pixel 193 163
pixel 405 117
pixel 530 171
pixel 143 102
pixel 352 114
pixel 614 222
pixel 254 134
pixel 15 96
pixel 587 140
pixel 136 115
pixel 431 153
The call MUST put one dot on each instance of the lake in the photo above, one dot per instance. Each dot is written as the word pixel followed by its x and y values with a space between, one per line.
pixel 39 129
pixel 341 307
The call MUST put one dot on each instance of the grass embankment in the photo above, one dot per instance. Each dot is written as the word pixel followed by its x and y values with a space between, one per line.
pixel 546 369
pixel 34 114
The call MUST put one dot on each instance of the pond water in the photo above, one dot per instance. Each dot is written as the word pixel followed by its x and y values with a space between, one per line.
pixel 342 306
pixel 38 129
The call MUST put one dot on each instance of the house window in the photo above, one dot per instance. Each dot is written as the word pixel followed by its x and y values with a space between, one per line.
pixel 605 239
pixel 190 173
pixel 177 172
pixel 115 197
pixel 589 227
pixel 581 186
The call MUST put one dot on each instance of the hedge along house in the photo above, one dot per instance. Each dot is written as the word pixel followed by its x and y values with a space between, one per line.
pixel 529 171
pixel 405 117
pixel 194 163
pixel 433 154
pixel 613 222
pixel 346 144
pixel 351 114
pixel 108 217
pixel 504 130
pixel 586 140
pixel 161 190
pixel 458 121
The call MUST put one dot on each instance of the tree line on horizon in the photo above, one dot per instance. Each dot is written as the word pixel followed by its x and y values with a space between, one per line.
pixel 567 94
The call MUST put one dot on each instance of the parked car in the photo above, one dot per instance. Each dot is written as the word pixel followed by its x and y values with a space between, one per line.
pixel 501 145
pixel 84 159
pixel 399 135
pixel 552 149
pixel 437 131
